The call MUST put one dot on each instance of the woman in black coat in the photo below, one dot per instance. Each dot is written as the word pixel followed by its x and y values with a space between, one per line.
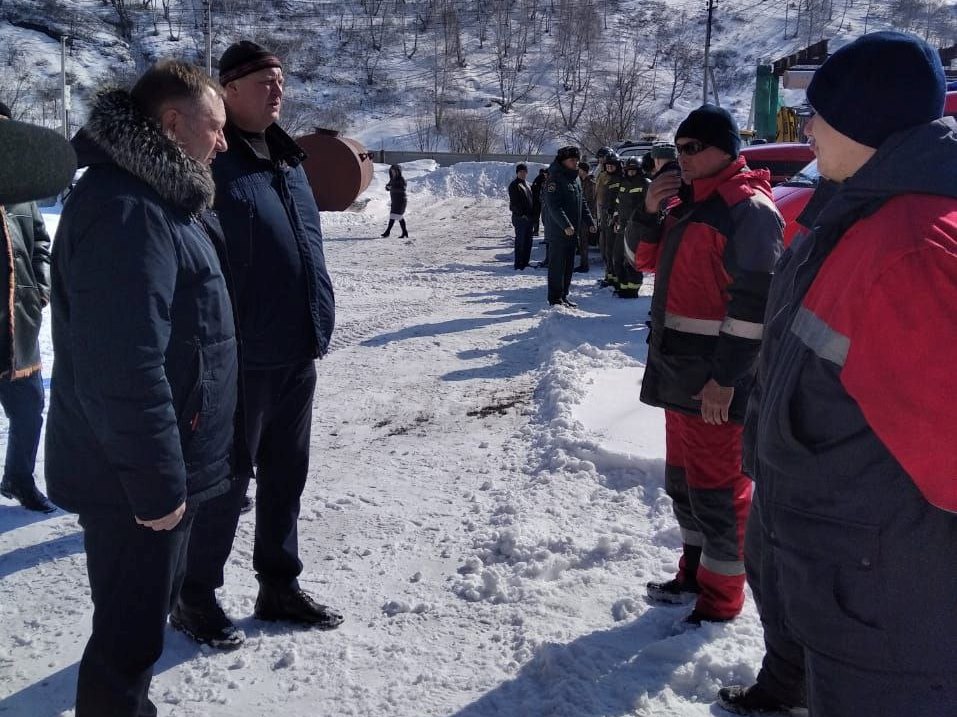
pixel 396 187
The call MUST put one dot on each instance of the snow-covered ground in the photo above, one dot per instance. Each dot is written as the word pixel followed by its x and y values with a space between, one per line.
pixel 486 504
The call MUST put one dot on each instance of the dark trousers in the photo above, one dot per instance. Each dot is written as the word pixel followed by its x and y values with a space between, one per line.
pixel 782 670
pixel 629 278
pixel 838 689
pixel 561 264
pixel 22 401
pixel 135 574
pixel 606 235
pixel 583 237
pixel 523 240
pixel 536 217
pixel 278 405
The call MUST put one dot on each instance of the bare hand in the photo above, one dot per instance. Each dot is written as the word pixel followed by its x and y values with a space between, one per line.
pixel 569 231
pixel 715 402
pixel 167 522
pixel 661 189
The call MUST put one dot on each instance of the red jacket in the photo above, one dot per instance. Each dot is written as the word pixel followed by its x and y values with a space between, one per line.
pixel 712 254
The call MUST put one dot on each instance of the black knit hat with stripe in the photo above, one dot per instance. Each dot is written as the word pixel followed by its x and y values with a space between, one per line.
pixel 243 58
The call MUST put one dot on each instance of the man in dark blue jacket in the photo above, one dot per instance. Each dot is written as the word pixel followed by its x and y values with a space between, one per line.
pixel 564 210
pixel 286 315
pixel 849 432
pixel 520 205
pixel 144 390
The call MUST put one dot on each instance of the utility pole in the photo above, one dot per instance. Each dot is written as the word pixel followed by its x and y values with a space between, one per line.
pixel 209 37
pixel 64 90
pixel 707 52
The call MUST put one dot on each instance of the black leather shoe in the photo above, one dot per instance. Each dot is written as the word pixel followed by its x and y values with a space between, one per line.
pixel 753 700
pixel 580 269
pixel 294 605
pixel 29 497
pixel 570 304
pixel 207 625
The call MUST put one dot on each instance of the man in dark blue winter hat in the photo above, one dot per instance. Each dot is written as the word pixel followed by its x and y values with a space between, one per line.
pixel 273 235
pixel 849 433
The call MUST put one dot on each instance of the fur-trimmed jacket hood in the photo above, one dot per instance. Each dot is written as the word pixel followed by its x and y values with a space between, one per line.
pixel 118 132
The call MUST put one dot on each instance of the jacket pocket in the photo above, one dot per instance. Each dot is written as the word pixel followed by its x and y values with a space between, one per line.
pixel 190 413
pixel 682 376
pixel 830 582
pixel 211 417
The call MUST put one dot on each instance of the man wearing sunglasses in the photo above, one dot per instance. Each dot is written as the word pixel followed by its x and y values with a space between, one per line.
pixel 711 233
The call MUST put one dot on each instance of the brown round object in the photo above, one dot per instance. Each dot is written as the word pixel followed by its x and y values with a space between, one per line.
pixel 339 169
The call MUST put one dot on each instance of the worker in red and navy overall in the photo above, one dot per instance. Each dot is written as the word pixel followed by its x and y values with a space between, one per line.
pixel 712 252
pixel 850 434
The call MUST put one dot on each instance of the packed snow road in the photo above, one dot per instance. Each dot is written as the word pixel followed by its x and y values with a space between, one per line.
pixel 485 505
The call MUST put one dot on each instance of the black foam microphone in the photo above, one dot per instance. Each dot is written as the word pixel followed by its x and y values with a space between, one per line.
pixel 35 162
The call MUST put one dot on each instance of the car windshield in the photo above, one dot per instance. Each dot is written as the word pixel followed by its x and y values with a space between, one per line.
pixel 807 177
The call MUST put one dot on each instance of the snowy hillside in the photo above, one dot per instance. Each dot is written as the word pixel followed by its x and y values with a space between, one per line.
pixel 485 504
pixel 431 74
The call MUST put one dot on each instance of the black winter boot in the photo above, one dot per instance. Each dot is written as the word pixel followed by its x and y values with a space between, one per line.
pixel 207 625
pixel 291 603
pixel 753 700
pixel 388 228
pixel 673 592
pixel 405 232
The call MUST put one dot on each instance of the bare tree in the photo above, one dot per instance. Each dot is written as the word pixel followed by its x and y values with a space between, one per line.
pixel 409 23
pixel 422 128
pixel 373 12
pixel 680 53
pixel 15 81
pixel 510 34
pixel 848 4
pixel 452 32
pixel 935 20
pixel 620 101
pixel 575 38
pixel 470 134
pixel 124 18
pixel 441 73
pixel 530 134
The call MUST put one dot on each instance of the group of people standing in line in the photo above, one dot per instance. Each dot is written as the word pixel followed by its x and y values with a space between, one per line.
pixel 807 388
pixel 610 195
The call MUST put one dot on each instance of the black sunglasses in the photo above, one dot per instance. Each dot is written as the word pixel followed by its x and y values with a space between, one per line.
pixel 691 148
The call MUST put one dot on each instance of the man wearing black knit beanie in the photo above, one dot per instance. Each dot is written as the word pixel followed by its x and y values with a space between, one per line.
pixel 286 312
pixel 850 438
pixel 711 233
